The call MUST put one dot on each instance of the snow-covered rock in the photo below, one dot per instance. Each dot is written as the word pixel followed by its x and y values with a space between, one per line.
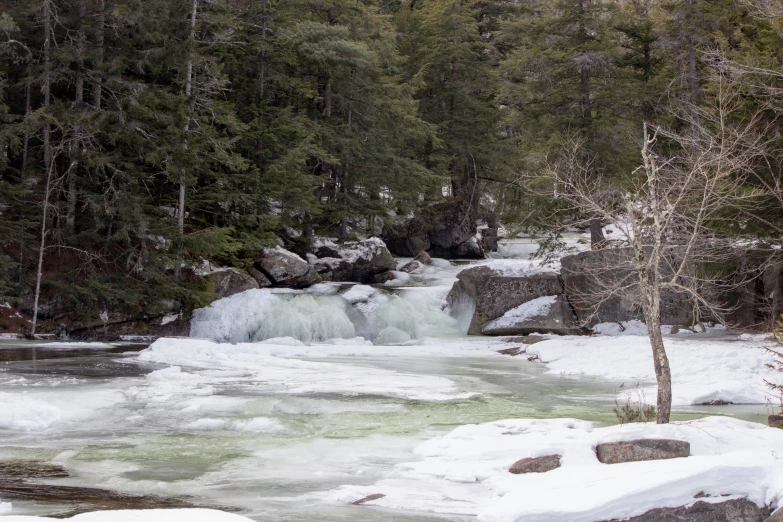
pixel 356 261
pixel 284 268
pixel 547 314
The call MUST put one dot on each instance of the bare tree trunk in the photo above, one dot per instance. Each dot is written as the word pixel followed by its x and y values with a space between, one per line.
pixel 97 83
pixel 262 81
pixel 41 248
pixel 188 93
pixel 661 361
pixel 81 41
pixel 597 238
pixel 693 86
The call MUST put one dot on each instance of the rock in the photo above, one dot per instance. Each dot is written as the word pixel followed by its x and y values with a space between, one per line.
pixel 587 275
pixel 412 268
pixel 735 510
pixel 548 314
pixel 284 268
pixel 357 261
pixel 226 283
pixel 383 277
pixel 262 280
pixel 535 465
pixel 423 258
pixel 368 498
pixel 526 339
pixel 513 352
pixel 468 250
pixel 775 421
pixel 407 237
pixel 642 449
pixel 492 294
pixel 449 228
pixel 777 516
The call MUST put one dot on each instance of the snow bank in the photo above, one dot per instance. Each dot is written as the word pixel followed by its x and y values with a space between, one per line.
pixel 21 413
pixel 5 508
pixel 466 471
pixel 358 293
pixel 270 374
pixel 703 370
pixel 143 515
pixel 533 308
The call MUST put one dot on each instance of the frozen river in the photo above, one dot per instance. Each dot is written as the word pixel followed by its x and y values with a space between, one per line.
pixel 269 429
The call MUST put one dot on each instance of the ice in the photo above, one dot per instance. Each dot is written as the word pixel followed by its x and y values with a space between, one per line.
pixel 276 374
pixel 466 471
pixel 392 335
pixel 703 370
pixel 255 315
pixel 145 515
pixel 359 293
pixel 5 508
pixel 533 308
pixel 400 279
pixel 40 410
pixel 254 425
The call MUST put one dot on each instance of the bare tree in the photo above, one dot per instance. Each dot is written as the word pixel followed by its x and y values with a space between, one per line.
pixel 689 190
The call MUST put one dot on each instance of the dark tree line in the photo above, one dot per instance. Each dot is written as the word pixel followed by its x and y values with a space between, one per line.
pixel 141 137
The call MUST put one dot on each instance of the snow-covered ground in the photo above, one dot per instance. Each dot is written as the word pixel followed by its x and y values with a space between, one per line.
pixel 704 369
pixel 466 471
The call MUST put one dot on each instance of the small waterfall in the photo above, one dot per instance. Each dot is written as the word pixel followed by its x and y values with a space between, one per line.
pixel 375 314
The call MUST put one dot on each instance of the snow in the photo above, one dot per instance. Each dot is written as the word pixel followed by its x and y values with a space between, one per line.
pixel 400 279
pixel 254 425
pixel 359 293
pixel 37 411
pixel 272 374
pixel 142 515
pixel 466 471
pixel 169 318
pixel 703 369
pixel 21 413
pixel 533 308
pixel 5 508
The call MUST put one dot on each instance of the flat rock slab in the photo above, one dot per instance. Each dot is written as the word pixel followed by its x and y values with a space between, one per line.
pixel 642 449
pixel 735 510
pixel 535 465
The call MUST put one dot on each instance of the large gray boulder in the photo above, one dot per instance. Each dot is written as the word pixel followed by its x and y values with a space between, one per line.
pixel 357 261
pixel 602 287
pixel 548 314
pixel 225 283
pixel 407 237
pixel 734 510
pixel 535 465
pixel 286 269
pixel 492 293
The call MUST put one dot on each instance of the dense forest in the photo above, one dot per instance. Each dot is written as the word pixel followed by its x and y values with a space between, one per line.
pixel 141 138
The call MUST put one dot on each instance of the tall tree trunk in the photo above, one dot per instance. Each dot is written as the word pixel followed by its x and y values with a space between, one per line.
pixel 41 248
pixel 47 80
pixel 188 93
pixel 73 171
pixel 262 80
pixel 663 374
pixel 97 83
pixel 28 108
pixel 693 86
pixel 597 238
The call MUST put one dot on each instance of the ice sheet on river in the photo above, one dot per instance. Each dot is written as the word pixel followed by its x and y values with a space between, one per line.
pixel 146 515
pixel 466 471
pixel 270 374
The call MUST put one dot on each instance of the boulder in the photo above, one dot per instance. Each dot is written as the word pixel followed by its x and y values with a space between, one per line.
pixel 284 268
pixel 228 282
pixel 588 276
pixel 449 228
pixel 775 421
pixel 777 516
pixel 535 465
pixel 423 258
pixel 368 498
pixel 357 261
pixel 734 510
pixel 407 237
pixel 412 268
pixel 548 314
pixel 492 294
pixel 642 449
pixel 383 277
pixel 262 280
